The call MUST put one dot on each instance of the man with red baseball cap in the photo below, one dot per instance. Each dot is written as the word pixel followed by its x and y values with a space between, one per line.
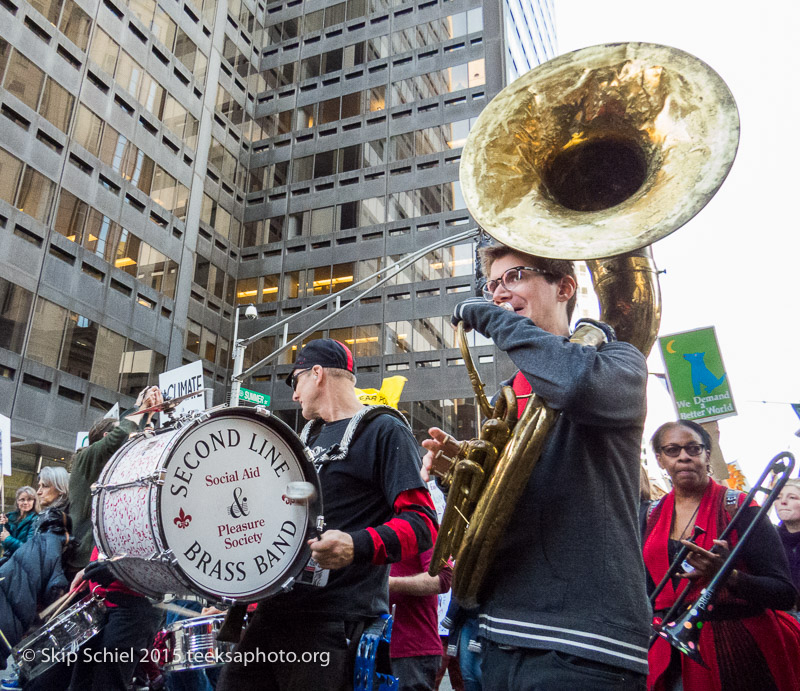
pixel 377 510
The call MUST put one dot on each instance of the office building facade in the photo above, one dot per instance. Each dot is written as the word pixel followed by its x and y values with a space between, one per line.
pixel 162 163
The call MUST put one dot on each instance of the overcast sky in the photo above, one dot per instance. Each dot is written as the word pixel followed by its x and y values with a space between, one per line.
pixel 735 265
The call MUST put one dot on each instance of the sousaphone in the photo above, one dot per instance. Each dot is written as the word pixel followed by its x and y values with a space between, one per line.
pixel 591 156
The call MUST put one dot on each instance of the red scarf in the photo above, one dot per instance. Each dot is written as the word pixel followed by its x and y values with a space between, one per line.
pixel 523 390
pixel 756 652
pixel 711 516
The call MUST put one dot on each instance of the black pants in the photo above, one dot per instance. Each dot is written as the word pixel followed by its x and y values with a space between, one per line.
pixel 525 669
pixel 290 655
pixel 416 673
pixel 108 660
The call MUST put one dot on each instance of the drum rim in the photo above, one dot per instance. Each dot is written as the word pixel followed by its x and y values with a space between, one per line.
pixel 184 627
pixel 194 621
pixel 302 456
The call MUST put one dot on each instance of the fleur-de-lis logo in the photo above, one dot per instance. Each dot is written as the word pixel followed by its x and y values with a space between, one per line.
pixel 182 520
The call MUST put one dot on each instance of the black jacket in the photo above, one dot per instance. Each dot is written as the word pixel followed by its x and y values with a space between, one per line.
pixel 34 576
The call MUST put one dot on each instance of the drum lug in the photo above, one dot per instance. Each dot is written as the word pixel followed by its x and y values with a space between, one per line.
pixel 288 584
pixel 166 557
pixel 262 410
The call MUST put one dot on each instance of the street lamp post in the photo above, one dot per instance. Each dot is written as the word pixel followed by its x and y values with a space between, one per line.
pixel 237 354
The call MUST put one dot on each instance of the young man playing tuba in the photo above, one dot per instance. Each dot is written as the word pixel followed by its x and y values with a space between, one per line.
pixel 563 604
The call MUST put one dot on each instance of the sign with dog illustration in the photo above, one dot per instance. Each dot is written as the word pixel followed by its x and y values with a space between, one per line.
pixel 696 375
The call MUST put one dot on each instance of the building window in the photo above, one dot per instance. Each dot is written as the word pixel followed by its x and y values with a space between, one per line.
pixel 24 79
pixel 247 291
pixel 77 351
pixel 140 365
pixel 428 334
pixel 424 415
pixel 258 350
pixel 104 51
pixel 107 358
pixel 208 347
pixel 460 417
pixel 367 341
pixel 47 331
pixel 193 334
pixel 88 130
pixel 397 337
pixel 15 307
pixel 10 173
pixel 57 104
pixel 269 293
pixel 75 24
pixel 35 196
pixel 157 270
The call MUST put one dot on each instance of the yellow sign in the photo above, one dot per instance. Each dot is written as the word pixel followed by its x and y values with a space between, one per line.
pixel 389 393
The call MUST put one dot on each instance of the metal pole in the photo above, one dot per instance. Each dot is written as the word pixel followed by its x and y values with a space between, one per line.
pixel 392 271
pixel 238 361
pixel 395 267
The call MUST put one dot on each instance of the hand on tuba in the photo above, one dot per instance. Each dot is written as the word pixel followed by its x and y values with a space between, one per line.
pixel 441 448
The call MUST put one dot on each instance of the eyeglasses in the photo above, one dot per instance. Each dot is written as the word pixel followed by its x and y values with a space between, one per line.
pixel 511 279
pixel 674 450
pixel 296 376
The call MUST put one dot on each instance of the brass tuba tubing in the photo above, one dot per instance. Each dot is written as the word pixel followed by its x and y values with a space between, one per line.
pixel 503 489
pixel 684 632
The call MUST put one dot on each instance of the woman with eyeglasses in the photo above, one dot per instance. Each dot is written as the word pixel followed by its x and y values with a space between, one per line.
pixel 34 575
pixel 17 525
pixel 747 643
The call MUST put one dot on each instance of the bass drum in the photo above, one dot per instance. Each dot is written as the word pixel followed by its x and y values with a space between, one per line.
pixel 203 510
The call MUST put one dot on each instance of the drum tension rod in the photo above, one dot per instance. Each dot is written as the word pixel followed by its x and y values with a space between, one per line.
pixel 158 477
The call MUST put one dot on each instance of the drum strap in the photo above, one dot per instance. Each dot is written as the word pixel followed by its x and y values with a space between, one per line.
pixel 357 423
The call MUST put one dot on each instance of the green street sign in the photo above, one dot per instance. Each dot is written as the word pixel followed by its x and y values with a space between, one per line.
pixel 696 377
pixel 253 397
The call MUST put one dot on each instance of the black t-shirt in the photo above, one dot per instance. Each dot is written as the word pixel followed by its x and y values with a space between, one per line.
pixel 358 492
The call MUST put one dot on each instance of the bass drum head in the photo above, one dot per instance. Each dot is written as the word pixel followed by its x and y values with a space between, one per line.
pixel 222 511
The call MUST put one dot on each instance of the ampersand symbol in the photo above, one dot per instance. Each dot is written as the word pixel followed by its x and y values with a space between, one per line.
pixel 239 506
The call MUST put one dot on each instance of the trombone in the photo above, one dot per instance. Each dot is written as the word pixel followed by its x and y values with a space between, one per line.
pixel 683 631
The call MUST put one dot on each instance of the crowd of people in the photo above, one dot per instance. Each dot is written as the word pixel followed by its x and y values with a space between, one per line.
pixel 565 601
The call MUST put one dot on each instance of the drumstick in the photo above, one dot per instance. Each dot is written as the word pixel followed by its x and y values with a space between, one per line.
pixel 5 640
pixel 171 607
pixel 61 603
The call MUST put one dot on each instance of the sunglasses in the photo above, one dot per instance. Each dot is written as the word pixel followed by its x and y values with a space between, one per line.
pixel 674 450
pixel 296 376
